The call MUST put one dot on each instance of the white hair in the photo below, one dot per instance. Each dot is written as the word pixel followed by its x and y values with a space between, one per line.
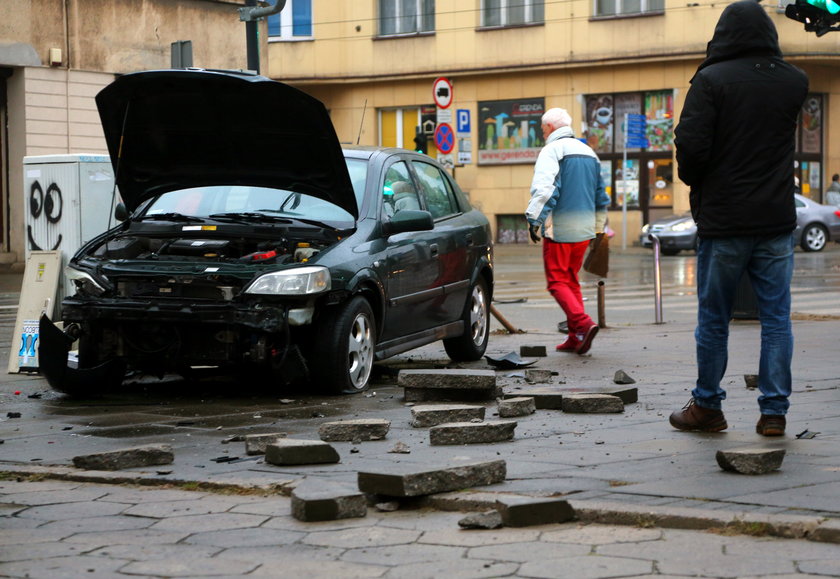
pixel 557 118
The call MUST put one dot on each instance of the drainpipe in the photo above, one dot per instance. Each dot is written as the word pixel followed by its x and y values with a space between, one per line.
pixel 250 15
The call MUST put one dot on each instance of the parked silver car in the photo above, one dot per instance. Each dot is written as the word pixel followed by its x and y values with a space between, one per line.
pixel 816 225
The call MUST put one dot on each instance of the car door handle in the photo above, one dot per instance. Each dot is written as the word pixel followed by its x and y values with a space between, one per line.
pixel 434 249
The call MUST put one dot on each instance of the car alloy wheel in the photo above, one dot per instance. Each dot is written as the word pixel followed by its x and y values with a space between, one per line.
pixel 344 348
pixel 814 238
pixel 472 344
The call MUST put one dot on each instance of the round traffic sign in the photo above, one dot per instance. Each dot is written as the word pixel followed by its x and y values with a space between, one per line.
pixel 444 138
pixel 442 92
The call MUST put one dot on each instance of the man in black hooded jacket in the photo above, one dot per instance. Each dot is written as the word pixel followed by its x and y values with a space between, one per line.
pixel 735 144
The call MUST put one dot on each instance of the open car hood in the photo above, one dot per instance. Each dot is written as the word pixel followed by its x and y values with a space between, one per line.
pixel 174 129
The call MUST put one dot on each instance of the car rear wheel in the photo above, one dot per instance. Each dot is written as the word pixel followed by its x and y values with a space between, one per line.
pixel 345 348
pixel 670 251
pixel 814 237
pixel 473 342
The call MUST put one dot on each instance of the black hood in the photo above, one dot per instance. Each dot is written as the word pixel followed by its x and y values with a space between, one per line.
pixel 744 29
pixel 173 129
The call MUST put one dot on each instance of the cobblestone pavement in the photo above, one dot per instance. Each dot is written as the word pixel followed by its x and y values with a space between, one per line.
pixel 55 529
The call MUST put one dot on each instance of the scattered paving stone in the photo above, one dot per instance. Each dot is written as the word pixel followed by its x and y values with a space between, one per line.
pixel 354 430
pixel 628 395
pixel 538 351
pixel 451 384
pixel 751 381
pixel 622 377
pixel 320 500
pixel 400 448
pixel 256 443
pixel 592 403
pixel 486 520
pixel 431 415
pixel 517 511
pixel 544 398
pixel 388 506
pixel 290 451
pixel 149 455
pixel 472 433
pixel 537 376
pixel 521 406
pixel 406 481
pixel 751 460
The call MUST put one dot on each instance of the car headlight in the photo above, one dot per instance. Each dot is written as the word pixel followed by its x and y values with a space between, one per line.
pixel 292 282
pixel 645 228
pixel 682 226
pixel 84 282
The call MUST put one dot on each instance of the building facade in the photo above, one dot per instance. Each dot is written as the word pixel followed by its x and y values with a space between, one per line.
pixel 374 64
pixel 55 55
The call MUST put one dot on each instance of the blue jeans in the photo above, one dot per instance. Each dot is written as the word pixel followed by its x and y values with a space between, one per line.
pixel 720 264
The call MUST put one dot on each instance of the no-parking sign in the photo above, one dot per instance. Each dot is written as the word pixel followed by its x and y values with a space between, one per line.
pixel 444 138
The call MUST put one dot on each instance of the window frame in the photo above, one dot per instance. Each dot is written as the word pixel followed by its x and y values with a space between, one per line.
pixel 505 15
pixel 421 15
pixel 286 18
pixel 644 11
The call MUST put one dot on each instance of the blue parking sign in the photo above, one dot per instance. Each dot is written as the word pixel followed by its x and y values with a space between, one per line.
pixel 462 121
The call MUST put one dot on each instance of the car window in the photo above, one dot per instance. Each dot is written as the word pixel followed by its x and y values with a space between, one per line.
pixel 440 199
pixel 398 191
pixel 799 204
pixel 358 177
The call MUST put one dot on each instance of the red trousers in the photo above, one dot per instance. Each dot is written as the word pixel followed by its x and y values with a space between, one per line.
pixel 562 262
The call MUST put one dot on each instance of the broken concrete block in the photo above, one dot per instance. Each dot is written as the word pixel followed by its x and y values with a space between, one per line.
pixel 431 415
pixel 628 394
pixel 532 351
pixel 486 520
pixel 622 377
pixel 472 432
pixel 354 430
pixel 320 500
pixel 148 455
pixel 256 443
pixel 537 376
pixel 751 460
pixel 444 379
pixel 521 406
pixel 519 511
pixel 289 451
pixel 407 481
pixel 544 398
pixel 592 403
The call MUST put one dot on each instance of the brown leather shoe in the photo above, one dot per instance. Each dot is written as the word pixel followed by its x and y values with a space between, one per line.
pixel 771 425
pixel 698 419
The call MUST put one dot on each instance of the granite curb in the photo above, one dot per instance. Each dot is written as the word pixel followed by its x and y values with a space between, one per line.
pixel 725 521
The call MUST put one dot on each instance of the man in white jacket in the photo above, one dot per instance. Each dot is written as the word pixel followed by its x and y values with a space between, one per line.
pixel 568 208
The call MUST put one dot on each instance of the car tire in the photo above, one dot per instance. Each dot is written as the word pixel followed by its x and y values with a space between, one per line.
pixel 472 344
pixel 345 348
pixel 814 237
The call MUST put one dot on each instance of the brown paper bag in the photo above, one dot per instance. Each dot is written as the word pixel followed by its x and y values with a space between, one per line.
pixel 597 261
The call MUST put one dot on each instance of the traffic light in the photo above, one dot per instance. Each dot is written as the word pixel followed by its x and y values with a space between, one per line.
pixel 819 16
pixel 421 143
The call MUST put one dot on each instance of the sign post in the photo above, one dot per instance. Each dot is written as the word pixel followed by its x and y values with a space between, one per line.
pixel 444 135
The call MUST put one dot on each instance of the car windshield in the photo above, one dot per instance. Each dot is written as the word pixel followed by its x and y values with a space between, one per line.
pixel 229 201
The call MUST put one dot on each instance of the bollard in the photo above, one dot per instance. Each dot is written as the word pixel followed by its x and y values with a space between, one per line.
pixel 657 279
pixel 602 318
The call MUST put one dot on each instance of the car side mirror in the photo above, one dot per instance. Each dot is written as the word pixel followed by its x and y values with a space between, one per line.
pixel 120 212
pixel 410 220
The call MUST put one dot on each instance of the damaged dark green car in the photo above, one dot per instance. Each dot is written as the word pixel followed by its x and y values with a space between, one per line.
pixel 250 241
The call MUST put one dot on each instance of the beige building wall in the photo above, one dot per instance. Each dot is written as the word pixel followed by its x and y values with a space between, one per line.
pixel 356 73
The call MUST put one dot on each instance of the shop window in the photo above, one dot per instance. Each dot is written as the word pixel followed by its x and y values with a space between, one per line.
pixel 406 16
pixel 628 7
pixel 511 229
pixel 808 158
pixel 500 13
pixel 294 22
pixel 397 127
